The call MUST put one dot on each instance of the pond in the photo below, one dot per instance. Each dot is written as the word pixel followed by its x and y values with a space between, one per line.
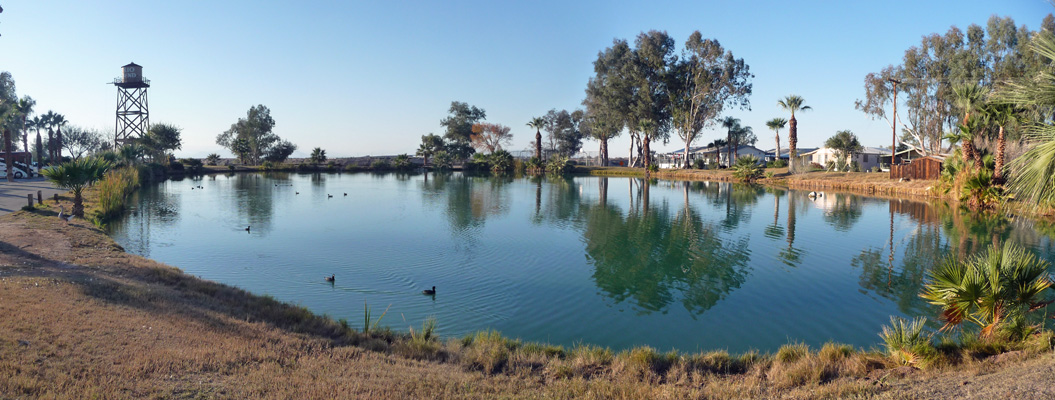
pixel 617 262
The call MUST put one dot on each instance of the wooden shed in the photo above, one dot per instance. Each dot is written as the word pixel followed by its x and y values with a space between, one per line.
pixel 928 167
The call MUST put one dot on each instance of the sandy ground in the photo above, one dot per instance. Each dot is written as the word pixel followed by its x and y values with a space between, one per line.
pixel 13 194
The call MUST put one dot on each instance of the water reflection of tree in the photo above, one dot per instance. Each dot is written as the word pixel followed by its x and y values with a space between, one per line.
pixel 468 201
pixel 843 212
pixel 652 258
pixel 790 255
pixel 736 200
pixel 254 200
pixel 774 230
pixel 922 249
pixel 562 201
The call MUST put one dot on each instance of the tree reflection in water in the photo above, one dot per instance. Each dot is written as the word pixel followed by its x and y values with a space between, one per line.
pixel 654 256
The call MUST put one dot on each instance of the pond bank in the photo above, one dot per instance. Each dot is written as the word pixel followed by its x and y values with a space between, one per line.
pixel 862 183
pixel 84 319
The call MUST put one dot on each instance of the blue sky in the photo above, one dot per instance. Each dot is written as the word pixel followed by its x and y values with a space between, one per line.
pixel 370 78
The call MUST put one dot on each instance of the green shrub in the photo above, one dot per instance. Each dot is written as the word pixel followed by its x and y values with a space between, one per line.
pixel 906 343
pixel 380 165
pixel 699 163
pixel 989 289
pixel 501 162
pixel 402 162
pixel 534 165
pixel 212 159
pixel 558 165
pixel 780 163
pixel 747 169
pixel 442 160
pixel 192 165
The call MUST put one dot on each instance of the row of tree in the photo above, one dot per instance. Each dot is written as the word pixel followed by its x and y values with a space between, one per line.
pixel 646 89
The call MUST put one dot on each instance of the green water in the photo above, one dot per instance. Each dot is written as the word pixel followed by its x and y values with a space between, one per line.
pixel 617 262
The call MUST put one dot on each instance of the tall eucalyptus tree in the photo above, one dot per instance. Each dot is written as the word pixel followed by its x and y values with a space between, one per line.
pixel 703 82
pixel 653 57
pixel 609 94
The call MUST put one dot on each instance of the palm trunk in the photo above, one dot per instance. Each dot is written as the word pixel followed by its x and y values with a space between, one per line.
pixel 58 144
pixel 40 149
pixel 51 145
pixel 777 158
pixel 538 144
pixel 729 149
pixel 1001 147
pixel 25 136
pixel 969 152
pixel 793 141
pixel 78 204
pixel 8 161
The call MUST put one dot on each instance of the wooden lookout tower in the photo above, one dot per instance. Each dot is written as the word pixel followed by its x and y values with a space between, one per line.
pixel 133 117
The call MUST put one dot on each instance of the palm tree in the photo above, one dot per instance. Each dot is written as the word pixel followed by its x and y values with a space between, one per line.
pixel 318 156
pixel 58 121
pixel 776 124
pixel 969 98
pixel 75 176
pixel 1033 174
pixel 39 122
pixel 49 119
pixel 741 135
pixel 430 145
pixel 730 124
pixel 999 284
pixel 130 154
pixel 537 123
pixel 718 144
pixel 25 107
pixel 1003 116
pixel 793 103
pixel 8 117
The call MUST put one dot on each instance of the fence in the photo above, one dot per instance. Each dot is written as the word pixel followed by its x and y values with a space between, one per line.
pixel 920 168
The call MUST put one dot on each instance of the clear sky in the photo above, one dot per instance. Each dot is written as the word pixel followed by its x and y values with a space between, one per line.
pixel 369 78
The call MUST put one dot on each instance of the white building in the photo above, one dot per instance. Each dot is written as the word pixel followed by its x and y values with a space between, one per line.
pixel 867 158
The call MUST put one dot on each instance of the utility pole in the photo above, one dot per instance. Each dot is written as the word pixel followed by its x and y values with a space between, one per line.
pixel 893 127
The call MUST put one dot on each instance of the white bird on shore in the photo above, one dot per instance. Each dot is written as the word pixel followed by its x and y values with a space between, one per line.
pixel 63 216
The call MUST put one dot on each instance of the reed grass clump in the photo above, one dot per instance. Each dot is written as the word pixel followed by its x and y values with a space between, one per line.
pixel 113 190
pixel 488 351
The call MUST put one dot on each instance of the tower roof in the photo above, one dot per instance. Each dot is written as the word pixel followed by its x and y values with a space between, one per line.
pixel 131 64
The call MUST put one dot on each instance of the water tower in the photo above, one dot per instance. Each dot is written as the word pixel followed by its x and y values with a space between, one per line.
pixel 133 117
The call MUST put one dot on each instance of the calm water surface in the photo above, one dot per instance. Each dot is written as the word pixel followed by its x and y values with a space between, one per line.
pixel 611 261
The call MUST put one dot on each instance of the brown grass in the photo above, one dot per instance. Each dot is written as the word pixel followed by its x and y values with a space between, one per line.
pixel 84 319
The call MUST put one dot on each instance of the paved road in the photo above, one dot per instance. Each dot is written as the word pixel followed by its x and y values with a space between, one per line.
pixel 13 194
